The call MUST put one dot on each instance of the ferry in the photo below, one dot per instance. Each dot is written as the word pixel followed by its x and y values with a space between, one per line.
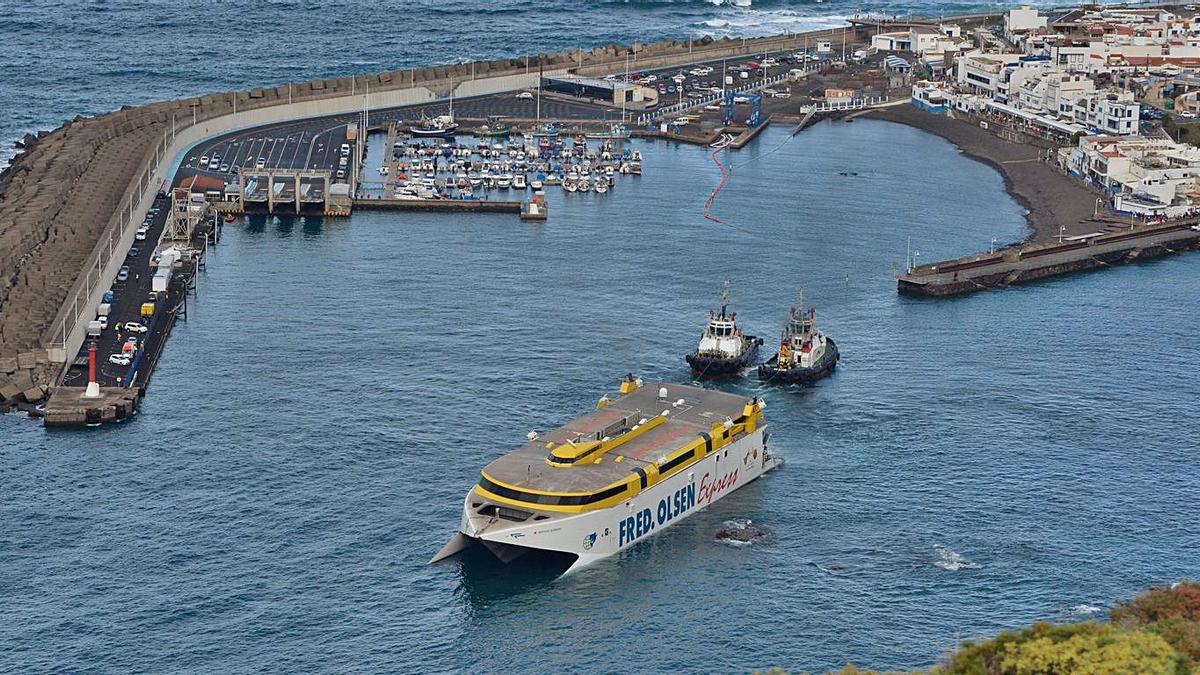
pixel 805 353
pixel 644 460
pixel 724 350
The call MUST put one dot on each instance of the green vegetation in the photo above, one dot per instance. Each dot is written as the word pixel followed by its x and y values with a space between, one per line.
pixel 1155 633
pixel 1069 648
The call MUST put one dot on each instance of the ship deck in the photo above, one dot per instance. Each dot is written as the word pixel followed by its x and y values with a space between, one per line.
pixel 526 466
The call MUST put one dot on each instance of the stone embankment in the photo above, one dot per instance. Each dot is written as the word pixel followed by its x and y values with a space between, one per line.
pixel 70 198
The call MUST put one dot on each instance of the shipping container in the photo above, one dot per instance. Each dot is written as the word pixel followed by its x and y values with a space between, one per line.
pixel 104 309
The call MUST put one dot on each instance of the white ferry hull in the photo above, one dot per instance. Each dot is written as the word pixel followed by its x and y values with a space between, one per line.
pixel 594 535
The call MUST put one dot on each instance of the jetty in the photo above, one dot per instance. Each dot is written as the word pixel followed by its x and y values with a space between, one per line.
pixel 1039 261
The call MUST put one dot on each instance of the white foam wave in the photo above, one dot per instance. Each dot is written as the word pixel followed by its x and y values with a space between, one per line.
pixel 752 22
pixel 951 560
pixel 1085 609
pixel 736 543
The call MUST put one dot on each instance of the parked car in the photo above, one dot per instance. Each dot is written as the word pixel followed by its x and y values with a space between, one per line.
pixel 134 252
pixel 135 327
pixel 203 160
pixel 103 322
pixel 120 359
pixel 141 233
pixel 225 167
pixel 123 273
pixel 261 163
pixel 525 95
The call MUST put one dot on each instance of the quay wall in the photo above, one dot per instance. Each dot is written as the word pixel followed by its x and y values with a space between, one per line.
pixel 73 197
pixel 1039 261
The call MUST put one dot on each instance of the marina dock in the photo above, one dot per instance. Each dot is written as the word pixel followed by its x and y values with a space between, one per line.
pixel 1030 263
pixel 440 205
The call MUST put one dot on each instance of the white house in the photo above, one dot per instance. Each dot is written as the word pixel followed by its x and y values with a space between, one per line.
pixel 1021 20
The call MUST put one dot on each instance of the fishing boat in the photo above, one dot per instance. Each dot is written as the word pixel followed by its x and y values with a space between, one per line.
pixel 494 128
pixel 644 460
pixel 441 126
pixel 805 354
pixel 724 349
pixel 616 132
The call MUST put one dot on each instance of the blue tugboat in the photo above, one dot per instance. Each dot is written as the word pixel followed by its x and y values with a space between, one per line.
pixel 724 350
pixel 805 354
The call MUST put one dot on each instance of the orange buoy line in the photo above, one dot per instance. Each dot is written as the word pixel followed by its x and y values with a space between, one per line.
pixel 720 185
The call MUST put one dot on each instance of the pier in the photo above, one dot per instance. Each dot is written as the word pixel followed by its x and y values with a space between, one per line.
pixel 1039 261
pixel 442 205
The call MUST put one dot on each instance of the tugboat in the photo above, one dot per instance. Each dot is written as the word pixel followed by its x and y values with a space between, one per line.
pixel 805 354
pixel 724 351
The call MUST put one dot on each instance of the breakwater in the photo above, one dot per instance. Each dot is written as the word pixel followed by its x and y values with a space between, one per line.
pixel 73 198
pixel 1039 261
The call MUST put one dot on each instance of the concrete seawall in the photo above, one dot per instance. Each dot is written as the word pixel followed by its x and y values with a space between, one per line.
pixel 75 196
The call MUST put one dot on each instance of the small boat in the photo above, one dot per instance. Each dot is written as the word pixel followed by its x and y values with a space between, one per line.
pixel 504 182
pixel 570 185
pixel 805 354
pixel 518 181
pixel 494 130
pixel 585 184
pixel 724 350
pixel 535 184
pixel 615 132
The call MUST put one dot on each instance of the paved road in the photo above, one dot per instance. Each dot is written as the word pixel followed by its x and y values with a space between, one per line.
pixel 129 296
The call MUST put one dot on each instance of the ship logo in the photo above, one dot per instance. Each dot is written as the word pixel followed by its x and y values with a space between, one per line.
pixel 588 541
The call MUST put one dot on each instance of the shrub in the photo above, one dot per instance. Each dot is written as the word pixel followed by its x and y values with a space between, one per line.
pixel 1157 604
pixel 1068 649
